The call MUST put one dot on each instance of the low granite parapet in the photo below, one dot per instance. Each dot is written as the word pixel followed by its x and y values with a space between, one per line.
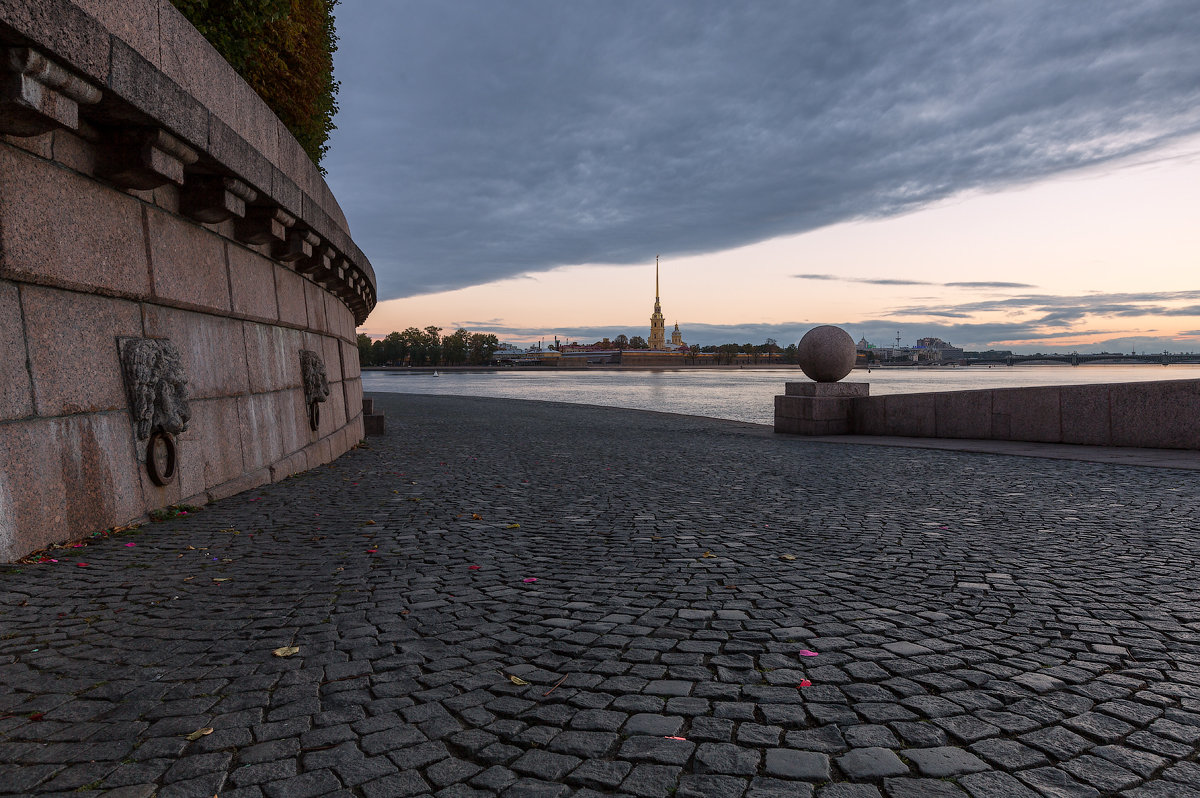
pixel 1160 414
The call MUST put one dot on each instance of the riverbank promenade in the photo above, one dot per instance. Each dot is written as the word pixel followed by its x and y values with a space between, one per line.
pixel 529 599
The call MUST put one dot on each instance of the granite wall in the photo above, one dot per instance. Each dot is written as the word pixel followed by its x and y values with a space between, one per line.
pixel 1160 415
pixel 146 192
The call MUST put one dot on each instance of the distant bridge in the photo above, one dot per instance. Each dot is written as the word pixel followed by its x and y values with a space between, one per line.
pixel 1076 359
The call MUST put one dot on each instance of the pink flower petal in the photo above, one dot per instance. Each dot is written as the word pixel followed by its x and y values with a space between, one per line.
pixel 530 579
pixel 372 551
pixel 82 564
pixel 804 652
pixel 472 567
pixel 130 545
pixel 805 683
pixel 674 738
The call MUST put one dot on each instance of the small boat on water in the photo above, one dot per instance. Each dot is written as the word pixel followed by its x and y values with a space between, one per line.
pixel 435 373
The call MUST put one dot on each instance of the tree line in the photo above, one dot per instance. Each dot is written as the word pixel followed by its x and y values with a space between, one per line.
pixel 428 347
pixel 769 350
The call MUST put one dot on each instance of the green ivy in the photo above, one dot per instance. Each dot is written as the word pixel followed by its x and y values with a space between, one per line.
pixel 284 50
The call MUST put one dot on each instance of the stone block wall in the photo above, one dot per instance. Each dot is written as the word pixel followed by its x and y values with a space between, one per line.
pixel 1158 415
pixel 147 192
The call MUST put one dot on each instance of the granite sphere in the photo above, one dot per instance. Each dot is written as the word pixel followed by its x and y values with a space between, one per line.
pixel 826 353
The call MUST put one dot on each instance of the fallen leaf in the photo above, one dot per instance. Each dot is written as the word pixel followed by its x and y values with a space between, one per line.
pixel 530 579
pixel 286 651
pixel 787 556
pixel 707 555
pixel 476 517
pixel 369 523
pixel 82 564
pixel 198 733
pixel 805 683
pixel 130 545
pixel 188 578
pixel 372 551
pixel 221 579
pixel 191 548
pixel 516 680
pixel 472 567
pixel 674 738
pixel 804 652
pixel 513 526
pixel 37 715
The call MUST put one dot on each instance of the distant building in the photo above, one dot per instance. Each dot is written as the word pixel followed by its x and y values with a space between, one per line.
pixel 658 334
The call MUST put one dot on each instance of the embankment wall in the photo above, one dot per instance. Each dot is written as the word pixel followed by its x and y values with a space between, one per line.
pixel 1160 415
pixel 147 192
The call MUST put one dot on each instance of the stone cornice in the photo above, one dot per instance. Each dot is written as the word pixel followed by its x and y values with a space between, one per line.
pixel 165 108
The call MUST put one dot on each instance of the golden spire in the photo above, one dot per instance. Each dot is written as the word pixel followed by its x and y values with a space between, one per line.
pixel 656 277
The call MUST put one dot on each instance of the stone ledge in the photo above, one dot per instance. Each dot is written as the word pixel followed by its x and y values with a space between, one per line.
pixel 1163 414
pixel 205 137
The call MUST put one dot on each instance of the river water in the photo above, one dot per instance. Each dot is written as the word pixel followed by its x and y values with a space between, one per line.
pixel 741 394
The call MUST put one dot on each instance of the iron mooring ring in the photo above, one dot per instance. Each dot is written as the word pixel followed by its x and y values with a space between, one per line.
pixel 167 474
pixel 314 415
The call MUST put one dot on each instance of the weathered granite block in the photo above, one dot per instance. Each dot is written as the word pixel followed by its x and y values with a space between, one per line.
pixel 827 390
pixel 16 395
pixel 330 349
pixel 1086 418
pixel 271 357
pixel 252 280
pixel 95 478
pixel 62 227
pixel 259 421
pixel 375 424
pixel 314 301
pixel 292 418
pixel 221 457
pixel 350 367
pixel 352 388
pixel 804 415
pixel 66 327
pixel 213 348
pixel 963 414
pixel 289 288
pixel 910 415
pixel 175 248
pixel 1156 414
pixel 868 416
pixel 1026 414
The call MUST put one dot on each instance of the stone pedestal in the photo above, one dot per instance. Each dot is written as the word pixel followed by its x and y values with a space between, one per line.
pixel 817 408
pixel 373 423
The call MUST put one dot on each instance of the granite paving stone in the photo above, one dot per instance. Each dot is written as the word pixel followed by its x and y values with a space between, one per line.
pixel 945 761
pixel 1028 629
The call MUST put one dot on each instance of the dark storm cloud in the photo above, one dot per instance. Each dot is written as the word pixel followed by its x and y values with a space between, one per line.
pixel 479 140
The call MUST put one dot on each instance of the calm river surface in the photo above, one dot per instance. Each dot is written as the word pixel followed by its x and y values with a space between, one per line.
pixel 740 395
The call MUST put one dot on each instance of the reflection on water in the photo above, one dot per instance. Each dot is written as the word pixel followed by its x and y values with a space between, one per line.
pixel 737 394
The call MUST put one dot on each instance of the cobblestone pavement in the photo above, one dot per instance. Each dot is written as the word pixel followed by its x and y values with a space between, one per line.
pixel 983 625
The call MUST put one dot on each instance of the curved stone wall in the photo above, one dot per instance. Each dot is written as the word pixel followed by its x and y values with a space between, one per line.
pixel 167 252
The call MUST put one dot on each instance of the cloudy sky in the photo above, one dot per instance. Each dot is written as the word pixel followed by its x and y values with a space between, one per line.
pixel 1012 174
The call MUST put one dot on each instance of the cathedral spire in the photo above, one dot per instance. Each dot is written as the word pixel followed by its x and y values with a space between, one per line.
pixel 657 323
